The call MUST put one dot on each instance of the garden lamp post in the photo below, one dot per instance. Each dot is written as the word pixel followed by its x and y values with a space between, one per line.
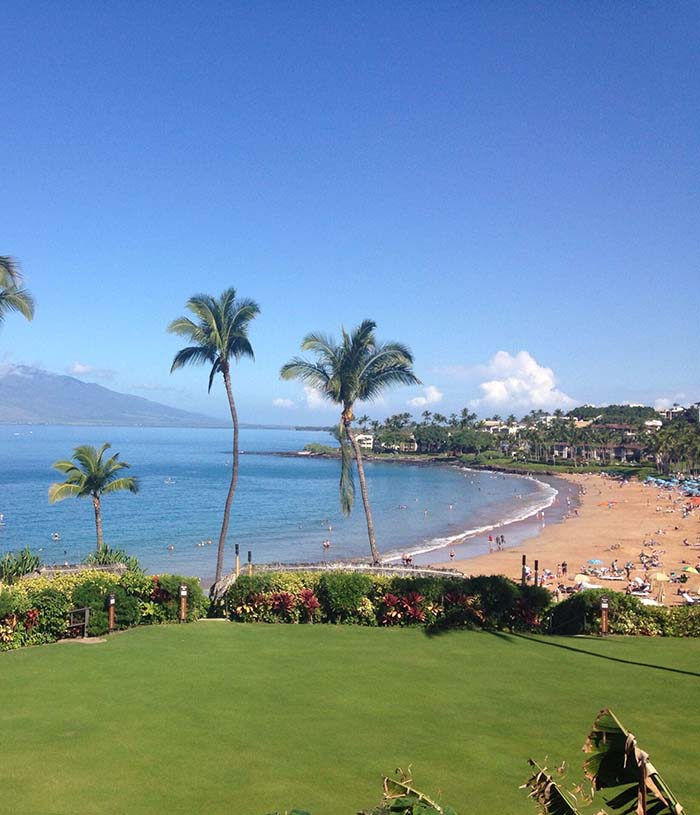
pixel 238 560
pixel 183 602
pixel 250 563
pixel 604 615
pixel 111 604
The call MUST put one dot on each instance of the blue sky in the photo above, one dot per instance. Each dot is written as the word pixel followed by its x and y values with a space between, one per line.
pixel 510 188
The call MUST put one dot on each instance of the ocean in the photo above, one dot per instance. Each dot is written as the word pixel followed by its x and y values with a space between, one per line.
pixel 285 506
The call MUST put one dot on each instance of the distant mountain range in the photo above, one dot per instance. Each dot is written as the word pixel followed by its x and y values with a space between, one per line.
pixel 33 396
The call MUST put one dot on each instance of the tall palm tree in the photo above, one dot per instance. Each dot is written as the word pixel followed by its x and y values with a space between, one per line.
pixel 91 476
pixel 358 368
pixel 12 296
pixel 218 335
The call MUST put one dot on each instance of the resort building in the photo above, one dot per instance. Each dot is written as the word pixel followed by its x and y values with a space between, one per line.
pixel 365 441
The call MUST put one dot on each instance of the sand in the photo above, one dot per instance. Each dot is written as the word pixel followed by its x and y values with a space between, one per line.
pixel 613 521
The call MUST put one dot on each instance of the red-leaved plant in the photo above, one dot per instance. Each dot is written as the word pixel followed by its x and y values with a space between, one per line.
pixel 31 618
pixel 282 603
pixel 309 603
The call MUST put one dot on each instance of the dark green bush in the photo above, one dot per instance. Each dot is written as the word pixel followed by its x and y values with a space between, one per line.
pixel 580 614
pixel 53 608
pixel 341 595
pixel 166 592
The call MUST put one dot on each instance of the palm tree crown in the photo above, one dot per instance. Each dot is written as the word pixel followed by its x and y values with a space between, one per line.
pixel 358 368
pixel 90 475
pixel 12 296
pixel 219 334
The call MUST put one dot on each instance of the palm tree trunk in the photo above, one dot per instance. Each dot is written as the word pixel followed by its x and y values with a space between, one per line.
pixel 365 496
pixel 234 477
pixel 98 521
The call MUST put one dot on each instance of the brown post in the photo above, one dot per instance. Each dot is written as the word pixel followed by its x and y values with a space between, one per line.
pixel 238 560
pixel 522 573
pixel 183 602
pixel 112 603
pixel 250 563
pixel 604 616
pixel 537 569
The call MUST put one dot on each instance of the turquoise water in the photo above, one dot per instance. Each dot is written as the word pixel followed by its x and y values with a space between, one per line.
pixel 283 508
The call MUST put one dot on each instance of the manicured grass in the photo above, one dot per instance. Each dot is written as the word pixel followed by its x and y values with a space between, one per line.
pixel 221 718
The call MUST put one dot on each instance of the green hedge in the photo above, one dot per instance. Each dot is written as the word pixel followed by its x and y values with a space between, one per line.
pixel 35 610
pixel 580 614
pixel 363 599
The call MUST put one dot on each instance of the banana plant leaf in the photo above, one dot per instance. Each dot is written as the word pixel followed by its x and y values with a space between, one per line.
pixel 545 790
pixel 400 798
pixel 615 760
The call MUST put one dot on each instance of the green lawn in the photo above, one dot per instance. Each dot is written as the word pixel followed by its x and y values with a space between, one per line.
pixel 221 718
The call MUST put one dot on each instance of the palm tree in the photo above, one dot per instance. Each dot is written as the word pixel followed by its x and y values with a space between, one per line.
pixel 358 368
pixel 12 296
pixel 89 475
pixel 219 334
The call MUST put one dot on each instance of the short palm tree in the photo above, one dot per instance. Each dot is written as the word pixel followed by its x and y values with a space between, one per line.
pixel 12 296
pixel 91 476
pixel 358 368
pixel 219 334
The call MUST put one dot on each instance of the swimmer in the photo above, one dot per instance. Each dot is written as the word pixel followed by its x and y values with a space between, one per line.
pixel 452 554
pixel 171 548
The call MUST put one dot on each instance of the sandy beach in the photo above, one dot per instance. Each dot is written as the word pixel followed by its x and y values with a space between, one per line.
pixel 613 522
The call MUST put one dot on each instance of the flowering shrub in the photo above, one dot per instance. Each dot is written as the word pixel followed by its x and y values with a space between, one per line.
pixel 35 610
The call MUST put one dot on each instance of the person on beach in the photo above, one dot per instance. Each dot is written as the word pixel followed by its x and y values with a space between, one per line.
pixel 452 554
pixel 564 568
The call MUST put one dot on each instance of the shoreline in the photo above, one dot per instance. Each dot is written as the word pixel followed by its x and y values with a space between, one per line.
pixel 616 521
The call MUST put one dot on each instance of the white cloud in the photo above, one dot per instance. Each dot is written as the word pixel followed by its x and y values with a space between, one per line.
pixel 431 397
pixel 81 369
pixel 666 402
pixel 283 403
pixel 314 399
pixel 520 382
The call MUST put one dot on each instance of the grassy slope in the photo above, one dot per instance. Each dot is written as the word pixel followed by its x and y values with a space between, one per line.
pixel 219 718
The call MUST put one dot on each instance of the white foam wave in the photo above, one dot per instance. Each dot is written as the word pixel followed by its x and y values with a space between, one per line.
pixel 546 498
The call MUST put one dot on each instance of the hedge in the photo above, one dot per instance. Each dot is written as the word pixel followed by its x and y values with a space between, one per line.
pixel 580 614
pixel 35 610
pixel 363 599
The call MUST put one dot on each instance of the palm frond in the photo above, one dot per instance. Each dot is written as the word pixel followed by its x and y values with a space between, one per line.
pixel 313 373
pixel 325 347
pixel 19 300
pixel 215 368
pixel 125 484
pixel 186 328
pixel 10 275
pixel 65 467
pixel 57 492
pixel 192 355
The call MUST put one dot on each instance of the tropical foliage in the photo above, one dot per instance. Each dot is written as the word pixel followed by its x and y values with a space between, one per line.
pixel 35 610
pixel 12 296
pixel 435 603
pixel 615 763
pixel 90 475
pixel 217 335
pixel 358 368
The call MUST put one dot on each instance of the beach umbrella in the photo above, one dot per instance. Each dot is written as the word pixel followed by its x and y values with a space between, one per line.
pixel 595 561
pixel 690 569
pixel 661 577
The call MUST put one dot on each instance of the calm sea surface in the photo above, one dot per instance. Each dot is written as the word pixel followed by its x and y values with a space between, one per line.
pixel 284 509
